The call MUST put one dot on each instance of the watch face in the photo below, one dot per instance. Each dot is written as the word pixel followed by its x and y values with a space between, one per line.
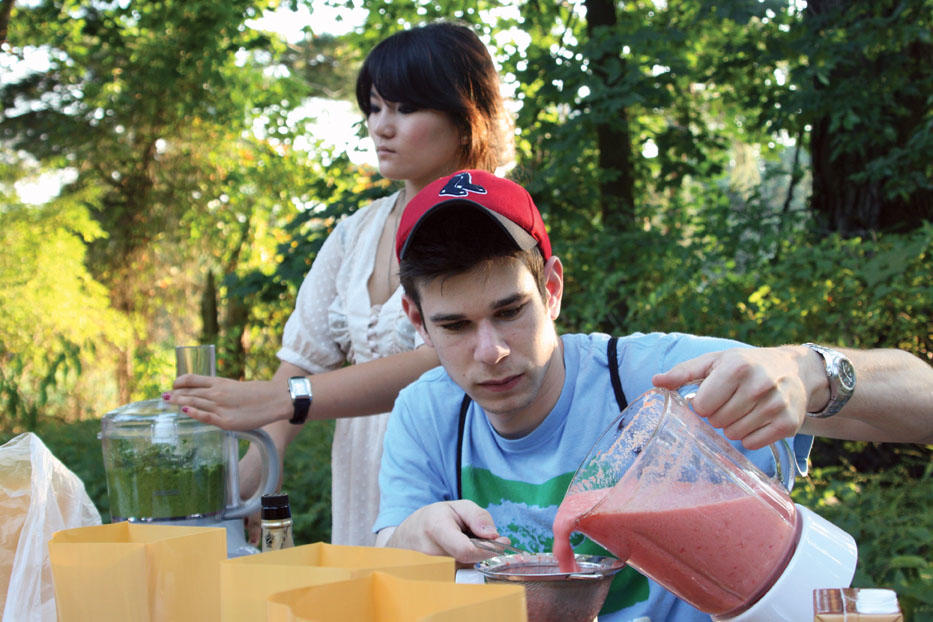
pixel 846 374
pixel 299 386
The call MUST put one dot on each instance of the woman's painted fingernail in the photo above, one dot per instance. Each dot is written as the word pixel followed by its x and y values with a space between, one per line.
pixel 166 396
pixel 184 409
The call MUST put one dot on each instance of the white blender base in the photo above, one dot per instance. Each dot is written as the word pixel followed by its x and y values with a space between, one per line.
pixel 825 557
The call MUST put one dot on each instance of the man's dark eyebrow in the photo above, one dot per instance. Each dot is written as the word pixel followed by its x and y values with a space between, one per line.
pixel 456 317
pixel 508 300
pixel 443 318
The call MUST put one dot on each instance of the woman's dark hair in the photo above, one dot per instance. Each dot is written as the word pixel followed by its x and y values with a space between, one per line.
pixel 444 67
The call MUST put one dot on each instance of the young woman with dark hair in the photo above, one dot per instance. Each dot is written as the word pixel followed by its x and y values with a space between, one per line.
pixel 432 104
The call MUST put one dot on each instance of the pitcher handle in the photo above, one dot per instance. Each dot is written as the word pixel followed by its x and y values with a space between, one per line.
pixel 270 474
pixel 785 463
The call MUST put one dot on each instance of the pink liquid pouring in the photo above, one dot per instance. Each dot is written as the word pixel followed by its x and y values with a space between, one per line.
pixel 720 555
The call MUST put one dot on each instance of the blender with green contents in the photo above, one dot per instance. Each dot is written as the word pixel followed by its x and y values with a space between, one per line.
pixel 163 466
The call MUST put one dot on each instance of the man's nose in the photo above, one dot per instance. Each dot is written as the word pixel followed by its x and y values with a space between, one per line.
pixel 491 347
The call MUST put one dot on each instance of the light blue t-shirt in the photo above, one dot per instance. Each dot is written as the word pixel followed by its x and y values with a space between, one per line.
pixel 521 481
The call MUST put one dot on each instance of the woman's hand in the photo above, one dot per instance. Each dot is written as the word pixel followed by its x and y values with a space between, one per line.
pixel 231 404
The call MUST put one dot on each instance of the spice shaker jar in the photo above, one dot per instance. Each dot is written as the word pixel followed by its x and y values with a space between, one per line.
pixel 276 523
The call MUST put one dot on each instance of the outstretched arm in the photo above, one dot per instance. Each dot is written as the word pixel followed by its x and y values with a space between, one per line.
pixel 892 403
pixel 759 395
pixel 364 389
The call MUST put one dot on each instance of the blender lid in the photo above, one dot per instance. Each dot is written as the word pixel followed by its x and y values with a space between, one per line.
pixel 146 410
pixel 156 417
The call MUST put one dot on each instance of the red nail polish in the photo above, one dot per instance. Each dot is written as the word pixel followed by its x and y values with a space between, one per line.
pixel 166 396
pixel 184 409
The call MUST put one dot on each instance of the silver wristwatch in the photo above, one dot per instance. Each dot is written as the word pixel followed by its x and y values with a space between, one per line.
pixel 299 388
pixel 841 376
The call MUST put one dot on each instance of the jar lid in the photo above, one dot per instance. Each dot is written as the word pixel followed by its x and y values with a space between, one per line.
pixel 275 507
pixel 154 418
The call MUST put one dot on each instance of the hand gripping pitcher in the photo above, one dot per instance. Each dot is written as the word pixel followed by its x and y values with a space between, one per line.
pixel 665 492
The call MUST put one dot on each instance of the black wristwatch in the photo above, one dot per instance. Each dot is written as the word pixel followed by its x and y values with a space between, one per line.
pixel 299 387
pixel 841 376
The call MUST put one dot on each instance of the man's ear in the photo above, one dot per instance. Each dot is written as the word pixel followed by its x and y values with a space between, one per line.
pixel 411 309
pixel 554 285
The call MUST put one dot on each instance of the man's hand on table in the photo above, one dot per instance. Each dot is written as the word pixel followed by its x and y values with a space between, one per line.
pixel 443 528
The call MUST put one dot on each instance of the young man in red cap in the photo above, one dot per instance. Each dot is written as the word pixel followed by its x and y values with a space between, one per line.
pixel 487 443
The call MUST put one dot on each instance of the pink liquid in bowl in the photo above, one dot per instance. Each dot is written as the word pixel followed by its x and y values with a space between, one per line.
pixel 720 555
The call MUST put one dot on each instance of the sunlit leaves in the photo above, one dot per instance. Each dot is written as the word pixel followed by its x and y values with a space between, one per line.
pixel 55 318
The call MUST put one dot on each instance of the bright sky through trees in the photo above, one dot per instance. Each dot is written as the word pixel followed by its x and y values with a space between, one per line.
pixel 335 121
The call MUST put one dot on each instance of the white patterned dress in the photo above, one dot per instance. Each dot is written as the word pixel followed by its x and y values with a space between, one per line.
pixel 335 323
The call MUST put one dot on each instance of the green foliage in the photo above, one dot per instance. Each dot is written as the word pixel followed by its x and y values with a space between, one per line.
pixel 157 100
pixel 667 151
pixel 56 317
pixel 868 67
pixel 179 125
pixel 775 286
pixel 890 515
pixel 307 482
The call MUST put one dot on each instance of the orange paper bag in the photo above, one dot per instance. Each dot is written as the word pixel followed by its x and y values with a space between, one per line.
pixel 382 597
pixel 139 572
pixel 247 582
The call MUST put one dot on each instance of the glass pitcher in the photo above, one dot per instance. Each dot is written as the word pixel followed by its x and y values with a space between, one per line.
pixel 664 491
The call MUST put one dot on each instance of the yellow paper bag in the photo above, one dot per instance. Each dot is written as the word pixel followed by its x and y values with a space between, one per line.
pixel 382 597
pixel 138 572
pixel 247 582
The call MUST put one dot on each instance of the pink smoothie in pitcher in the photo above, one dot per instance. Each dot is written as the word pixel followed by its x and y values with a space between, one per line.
pixel 718 555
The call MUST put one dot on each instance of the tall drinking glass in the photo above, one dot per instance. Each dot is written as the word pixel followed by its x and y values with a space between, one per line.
pixel 201 360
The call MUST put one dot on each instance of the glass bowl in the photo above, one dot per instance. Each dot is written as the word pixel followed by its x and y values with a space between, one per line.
pixel 552 595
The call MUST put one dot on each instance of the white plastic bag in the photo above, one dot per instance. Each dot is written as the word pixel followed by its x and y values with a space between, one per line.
pixel 38 496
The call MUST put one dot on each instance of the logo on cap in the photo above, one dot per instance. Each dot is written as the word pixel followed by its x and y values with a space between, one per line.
pixel 460 186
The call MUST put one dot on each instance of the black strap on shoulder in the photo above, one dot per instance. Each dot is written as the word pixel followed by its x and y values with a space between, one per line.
pixel 464 406
pixel 612 350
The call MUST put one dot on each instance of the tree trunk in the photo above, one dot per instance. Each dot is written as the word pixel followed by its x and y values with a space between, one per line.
pixel 235 323
pixel 210 326
pixel 120 259
pixel 6 9
pixel 615 145
pixel 616 168
pixel 848 205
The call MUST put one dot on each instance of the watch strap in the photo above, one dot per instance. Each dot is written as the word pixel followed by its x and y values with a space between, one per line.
pixel 301 405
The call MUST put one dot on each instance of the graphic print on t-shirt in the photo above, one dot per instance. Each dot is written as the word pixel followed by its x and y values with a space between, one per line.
pixel 524 513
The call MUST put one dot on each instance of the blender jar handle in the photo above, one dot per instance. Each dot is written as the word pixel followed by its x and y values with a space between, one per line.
pixel 270 474
pixel 785 463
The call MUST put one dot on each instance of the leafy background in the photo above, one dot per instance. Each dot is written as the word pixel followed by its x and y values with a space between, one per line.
pixel 757 169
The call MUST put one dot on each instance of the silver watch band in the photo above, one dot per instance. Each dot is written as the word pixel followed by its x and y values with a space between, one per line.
pixel 841 376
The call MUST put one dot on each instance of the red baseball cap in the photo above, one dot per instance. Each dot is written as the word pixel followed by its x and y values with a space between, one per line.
pixel 507 203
